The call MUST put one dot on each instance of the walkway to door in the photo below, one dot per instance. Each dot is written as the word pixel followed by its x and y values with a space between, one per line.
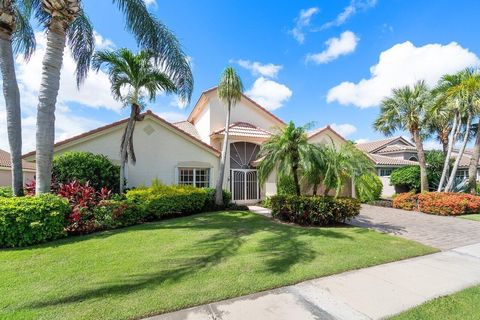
pixel 435 231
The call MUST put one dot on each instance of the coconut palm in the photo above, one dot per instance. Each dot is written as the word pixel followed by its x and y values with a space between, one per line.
pixel 133 77
pixel 65 22
pixel 230 91
pixel 16 36
pixel 406 109
pixel 289 152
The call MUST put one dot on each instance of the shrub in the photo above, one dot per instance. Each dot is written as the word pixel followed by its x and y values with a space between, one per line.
pixel 6 192
pixel 407 177
pixel 160 201
pixel 97 169
pixel 405 201
pixel 369 187
pixel 306 210
pixel 109 214
pixel 29 220
pixel 444 203
pixel 286 186
pixel 210 201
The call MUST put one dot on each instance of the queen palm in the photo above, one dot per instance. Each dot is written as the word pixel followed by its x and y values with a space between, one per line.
pixel 16 36
pixel 230 91
pixel 66 23
pixel 133 78
pixel 288 152
pixel 406 110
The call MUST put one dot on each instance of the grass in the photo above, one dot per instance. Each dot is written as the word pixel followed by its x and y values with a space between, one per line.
pixel 173 264
pixel 463 305
pixel 474 217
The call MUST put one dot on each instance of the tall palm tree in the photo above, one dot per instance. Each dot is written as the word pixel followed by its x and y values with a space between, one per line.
pixel 66 23
pixel 406 109
pixel 289 152
pixel 230 91
pixel 133 78
pixel 16 36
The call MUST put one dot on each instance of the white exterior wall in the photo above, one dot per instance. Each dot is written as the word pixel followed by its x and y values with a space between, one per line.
pixel 203 124
pixel 158 154
pixel 388 191
pixel 6 177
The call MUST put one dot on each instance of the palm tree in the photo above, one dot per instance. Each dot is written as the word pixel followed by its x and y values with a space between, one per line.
pixel 133 78
pixel 406 109
pixel 289 152
pixel 230 91
pixel 66 23
pixel 16 36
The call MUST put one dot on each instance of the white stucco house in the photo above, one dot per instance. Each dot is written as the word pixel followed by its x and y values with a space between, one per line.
pixel 188 152
pixel 6 170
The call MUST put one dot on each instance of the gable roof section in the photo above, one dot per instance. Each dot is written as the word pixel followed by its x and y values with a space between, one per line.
pixel 105 129
pixel 376 145
pixel 6 162
pixel 326 128
pixel 204 98
pixel 188 127
pixel 380 160
pixel 244 129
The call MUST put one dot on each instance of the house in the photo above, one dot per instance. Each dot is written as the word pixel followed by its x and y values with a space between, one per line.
pixel 188 152
pixel 6 169
pixel 389 154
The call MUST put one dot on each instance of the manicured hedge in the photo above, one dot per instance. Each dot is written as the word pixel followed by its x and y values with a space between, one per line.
pixel 29 220
pixel 210 201
pixel 160 201
pixel 307 210
pixel 439 203
pixel 110 214
pixel 6 192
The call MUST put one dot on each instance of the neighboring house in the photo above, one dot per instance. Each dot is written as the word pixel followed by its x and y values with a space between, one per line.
pixel 396 152
pixel 6 170
pixel 188 152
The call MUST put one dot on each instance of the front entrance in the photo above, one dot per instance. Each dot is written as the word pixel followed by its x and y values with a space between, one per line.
pixel 243 176
pixel 245 187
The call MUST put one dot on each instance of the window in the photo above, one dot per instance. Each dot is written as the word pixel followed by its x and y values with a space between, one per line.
pixel 413 158
pixel 198 177
pixel 385 172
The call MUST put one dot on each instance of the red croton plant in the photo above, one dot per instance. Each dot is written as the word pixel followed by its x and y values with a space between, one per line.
pixel 82 199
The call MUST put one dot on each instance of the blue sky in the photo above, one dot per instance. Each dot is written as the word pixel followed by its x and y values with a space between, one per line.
pixel 323 61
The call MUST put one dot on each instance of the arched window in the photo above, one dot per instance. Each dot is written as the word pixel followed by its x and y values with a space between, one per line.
pixel 412 158
pixel 242 154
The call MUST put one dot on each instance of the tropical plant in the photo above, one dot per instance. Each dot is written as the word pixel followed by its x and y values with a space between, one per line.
pixel 368 187
pixel 65 22
pixel 133 78
pixel 406 109
pixel 230 91
pixel 16 37
pixel 288 149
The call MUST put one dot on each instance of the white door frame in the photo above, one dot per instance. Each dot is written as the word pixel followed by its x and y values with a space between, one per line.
pixel 245 184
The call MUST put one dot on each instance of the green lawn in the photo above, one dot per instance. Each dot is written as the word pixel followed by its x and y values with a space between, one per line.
pixel 169 265
pixel 474 217
pixel 464 305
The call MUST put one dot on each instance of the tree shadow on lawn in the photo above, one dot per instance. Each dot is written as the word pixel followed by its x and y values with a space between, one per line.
pixel 233 229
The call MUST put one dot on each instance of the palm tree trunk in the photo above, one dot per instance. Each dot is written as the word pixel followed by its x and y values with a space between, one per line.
pixel 472 168
pixel 451 180
pixel 125 145
pixel 421 161
pixel 12 106
pixel 223 159
pixel 295 179
pixel 446 164
pixel 315 187
pixel 52 64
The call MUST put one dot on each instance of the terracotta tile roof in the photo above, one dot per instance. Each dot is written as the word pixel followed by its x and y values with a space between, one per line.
pixel 396 148
pixel 244 129
pixel 374 145
pixel 5 161
pixel 390 161
pixel 188 127
pixel 117 123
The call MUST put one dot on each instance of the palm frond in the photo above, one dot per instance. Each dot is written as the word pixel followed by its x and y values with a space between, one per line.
pixel 24 37
pixel 230 87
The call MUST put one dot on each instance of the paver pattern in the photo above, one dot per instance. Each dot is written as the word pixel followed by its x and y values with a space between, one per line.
pixel 436 231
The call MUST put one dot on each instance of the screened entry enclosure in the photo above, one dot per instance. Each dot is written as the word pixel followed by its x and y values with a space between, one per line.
pixel 243 175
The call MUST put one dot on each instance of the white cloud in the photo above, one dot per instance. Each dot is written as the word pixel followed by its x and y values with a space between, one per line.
pixel 171 116
pixel 151 3
pixel 302 21
pixel 403 64
pixel 362 140
pixel 178 102
pixel 102 43
pixel 345 44
pixel 258 69
pixel 344 129
pixel 349 11
pixel 432 145
pixel 269 94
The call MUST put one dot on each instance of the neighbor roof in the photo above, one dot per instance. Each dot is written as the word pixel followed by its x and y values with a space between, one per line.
pixel 376 145
pixel 396 148
pixel 5 161
pixel 188 127
pixel 390 161
pixel 117 123
pixel 244 129
pixel 201 103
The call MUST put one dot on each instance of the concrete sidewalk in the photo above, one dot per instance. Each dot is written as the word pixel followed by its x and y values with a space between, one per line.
pixel 370 293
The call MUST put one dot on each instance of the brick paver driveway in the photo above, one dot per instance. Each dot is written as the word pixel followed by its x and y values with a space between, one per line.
pixel 435 231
